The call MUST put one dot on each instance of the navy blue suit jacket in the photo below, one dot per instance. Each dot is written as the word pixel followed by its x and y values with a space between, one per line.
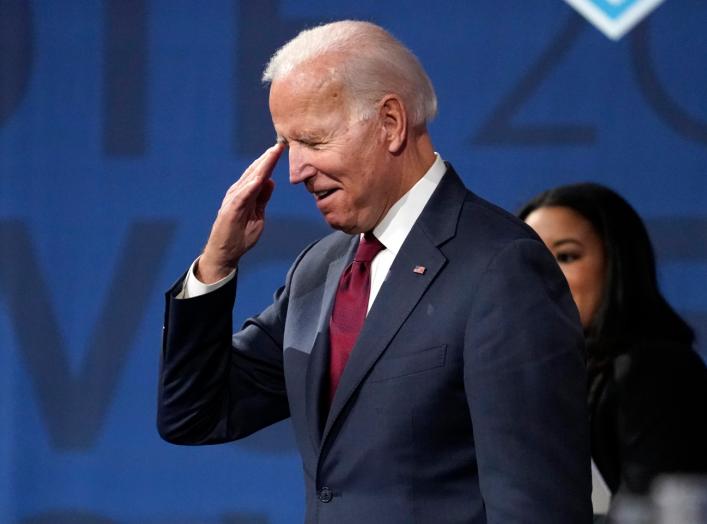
pixel 464 399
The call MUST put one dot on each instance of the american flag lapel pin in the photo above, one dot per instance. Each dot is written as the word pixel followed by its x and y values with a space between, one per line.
pixel 420 270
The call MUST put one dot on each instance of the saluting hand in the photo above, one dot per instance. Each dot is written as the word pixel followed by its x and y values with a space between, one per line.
pixel 240 219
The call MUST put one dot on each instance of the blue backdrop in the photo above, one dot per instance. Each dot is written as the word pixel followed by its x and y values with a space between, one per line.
pixel 122 122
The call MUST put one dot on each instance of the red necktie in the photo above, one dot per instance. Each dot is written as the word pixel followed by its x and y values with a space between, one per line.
pixel 350 307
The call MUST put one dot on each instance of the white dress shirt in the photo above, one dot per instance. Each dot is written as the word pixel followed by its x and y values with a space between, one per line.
pixel 397 223
pixel 601 494
pixel 391 232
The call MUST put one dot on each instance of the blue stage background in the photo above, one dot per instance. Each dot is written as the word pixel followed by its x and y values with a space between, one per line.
pixel 122 122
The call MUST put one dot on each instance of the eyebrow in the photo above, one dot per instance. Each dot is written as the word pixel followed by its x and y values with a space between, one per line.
pixel 309 137
pixel 564 241
pixel 302 138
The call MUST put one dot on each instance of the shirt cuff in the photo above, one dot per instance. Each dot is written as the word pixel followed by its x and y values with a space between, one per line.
pixel 192 287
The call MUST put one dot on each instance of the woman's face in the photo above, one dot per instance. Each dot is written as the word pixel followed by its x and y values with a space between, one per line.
pixel 579 251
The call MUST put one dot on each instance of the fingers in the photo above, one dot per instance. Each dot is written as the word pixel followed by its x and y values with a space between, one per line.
pixel 249 184
pixel 260 169
pixel 270 158
pixel 264 197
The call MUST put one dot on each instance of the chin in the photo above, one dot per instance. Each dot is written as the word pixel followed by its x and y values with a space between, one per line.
pixel 346 227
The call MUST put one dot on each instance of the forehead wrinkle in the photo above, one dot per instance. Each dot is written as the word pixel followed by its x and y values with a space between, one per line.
pixel 314 134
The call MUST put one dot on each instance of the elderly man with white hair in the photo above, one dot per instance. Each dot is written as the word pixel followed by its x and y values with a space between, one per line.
pixel 428 351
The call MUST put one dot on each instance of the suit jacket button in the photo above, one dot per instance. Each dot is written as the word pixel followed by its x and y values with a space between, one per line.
pixel 325 495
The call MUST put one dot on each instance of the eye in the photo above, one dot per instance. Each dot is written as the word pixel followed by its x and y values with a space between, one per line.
pixel 308 143
pixel 567 257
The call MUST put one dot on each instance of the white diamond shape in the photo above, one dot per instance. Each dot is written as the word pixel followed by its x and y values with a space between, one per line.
pixel 618 26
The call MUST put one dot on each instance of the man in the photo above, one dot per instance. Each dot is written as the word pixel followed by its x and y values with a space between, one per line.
pixel 461 396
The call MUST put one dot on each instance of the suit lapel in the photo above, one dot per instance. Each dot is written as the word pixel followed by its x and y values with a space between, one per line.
pixel 318 365
pixel 403 287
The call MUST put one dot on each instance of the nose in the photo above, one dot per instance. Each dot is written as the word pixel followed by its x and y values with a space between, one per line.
pixel 300 168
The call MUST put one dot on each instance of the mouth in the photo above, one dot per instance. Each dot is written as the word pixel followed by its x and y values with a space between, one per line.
pixel 321 195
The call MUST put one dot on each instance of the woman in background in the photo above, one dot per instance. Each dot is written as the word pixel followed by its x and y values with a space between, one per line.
pixel 647 387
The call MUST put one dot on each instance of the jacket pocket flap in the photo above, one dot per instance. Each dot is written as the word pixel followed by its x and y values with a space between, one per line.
pixel 404 365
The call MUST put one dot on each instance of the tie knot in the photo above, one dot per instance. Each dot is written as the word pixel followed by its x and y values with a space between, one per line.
pixel 368 247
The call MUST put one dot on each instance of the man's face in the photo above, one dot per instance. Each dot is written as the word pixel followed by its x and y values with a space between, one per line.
pixel 344 163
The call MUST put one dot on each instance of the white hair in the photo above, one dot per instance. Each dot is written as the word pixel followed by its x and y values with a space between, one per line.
pixel 373 64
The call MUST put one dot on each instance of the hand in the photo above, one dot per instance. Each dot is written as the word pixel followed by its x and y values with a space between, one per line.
pixel 240 220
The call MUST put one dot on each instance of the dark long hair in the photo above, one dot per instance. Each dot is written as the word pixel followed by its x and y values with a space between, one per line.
pixel 632 307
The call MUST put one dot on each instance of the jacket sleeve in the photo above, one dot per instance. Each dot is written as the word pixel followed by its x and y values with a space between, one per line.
pixel 525 382
pixel 214 386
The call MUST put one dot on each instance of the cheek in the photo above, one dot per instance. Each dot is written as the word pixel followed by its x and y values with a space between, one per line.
pixel 586 287
pixel 594 285
pixel 574 279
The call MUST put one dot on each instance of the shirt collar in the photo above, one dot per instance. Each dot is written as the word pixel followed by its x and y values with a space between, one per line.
pixel 397 223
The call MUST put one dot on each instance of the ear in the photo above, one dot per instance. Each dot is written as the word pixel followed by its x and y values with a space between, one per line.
pixel 394 118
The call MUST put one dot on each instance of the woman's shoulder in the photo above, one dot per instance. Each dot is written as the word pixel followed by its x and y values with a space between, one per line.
pixel 648 374
pixel 657 359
